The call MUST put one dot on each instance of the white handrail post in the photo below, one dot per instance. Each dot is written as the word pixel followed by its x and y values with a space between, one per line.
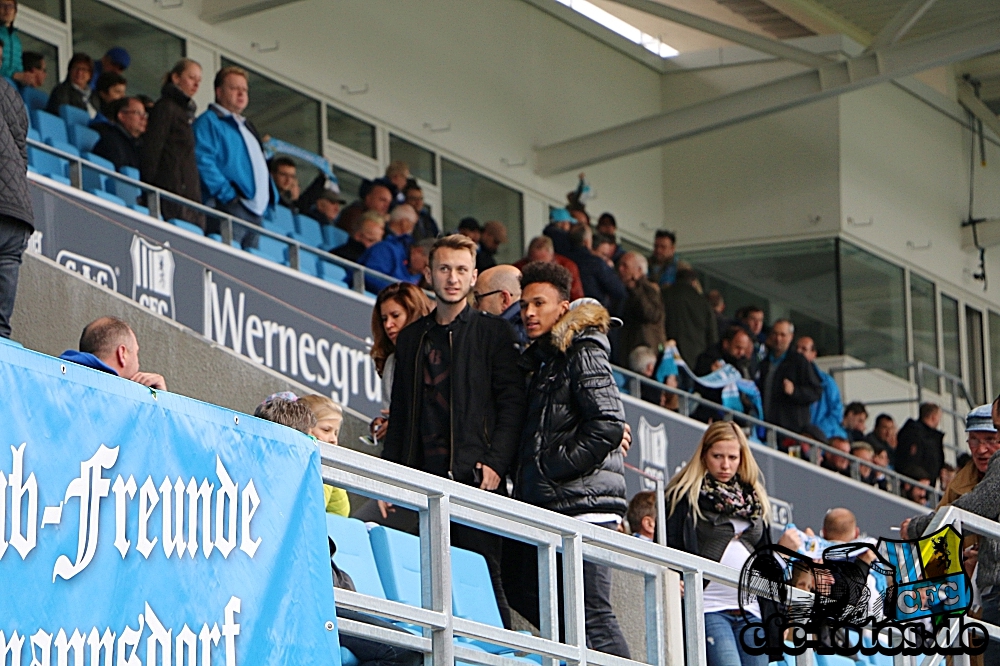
pixel 435 575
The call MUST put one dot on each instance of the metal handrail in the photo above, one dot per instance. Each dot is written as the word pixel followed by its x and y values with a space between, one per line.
pixel 440 501
pixel 229 222
pixel 774 432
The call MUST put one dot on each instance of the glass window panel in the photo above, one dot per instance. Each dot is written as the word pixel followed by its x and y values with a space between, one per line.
pixel 977 357
pixel 51 53
pixel 874 310
pixel 97 28
pixel 350 183
pixel 994 319
pixel 350 132
pixel 54 8
pixel 277 110
pixel 420 160
pixel 787 280
pixel 923 315
pixel 465 193
pixel 950 338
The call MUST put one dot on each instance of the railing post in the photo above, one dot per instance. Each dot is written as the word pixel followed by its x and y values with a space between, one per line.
pixel 548 596
pixel 76 173
pixel 293 255
pixel 226 230
pixel 435 575
pixel 656 648
pixel 153 203
pixel 954 418
pixel 661 513
pixel 694 619
pixel 772 438
pixel 358 282
pixel 573 608
pixel 634 387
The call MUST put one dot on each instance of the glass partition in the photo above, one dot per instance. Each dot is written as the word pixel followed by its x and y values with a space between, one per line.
pixel 420 160
pixel 97 28
pixel 466 193
pixel 54 8
pixel 796 281
pixel 351 132
pixel 874 310
pixel 350 183
pixel 278 111
pixel 994 321
pixel 51 53
pixel 977 354
pixel 951 343
pixel 923 318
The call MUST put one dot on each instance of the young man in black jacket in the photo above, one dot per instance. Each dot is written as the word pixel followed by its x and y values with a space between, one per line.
pixel 458 396
pixel 788 383
pixel 571 460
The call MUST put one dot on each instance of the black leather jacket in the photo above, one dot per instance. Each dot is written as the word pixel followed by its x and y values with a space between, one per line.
pixel 487 395
pixel 570 460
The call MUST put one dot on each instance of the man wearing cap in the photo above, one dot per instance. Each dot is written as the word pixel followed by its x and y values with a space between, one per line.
pixel 115 60
pixel 571 459
pixel 560 223
pixel 327 206
pixel 976 488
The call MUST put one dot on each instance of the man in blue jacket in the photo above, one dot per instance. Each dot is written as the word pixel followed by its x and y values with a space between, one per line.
pixel 108 344
pixel 827 412
pixel 391 256
pixel 234 174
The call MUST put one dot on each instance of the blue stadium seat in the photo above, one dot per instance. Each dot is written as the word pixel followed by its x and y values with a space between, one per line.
pixel 49 127
pixel 280 221
pixel 271 248
pixel 129 193
pixel 308 231
pixel 309 263
pixel 331 272
pixel 34 135
pixel 139 209
pixel 93 179
pixel 48 164
pixel 216 237
pixel 354 553
pixel 397 556
pixel 73 115
pixel 35 99
pixel 186 226
pixel 107 196
pixel 82 137
pixel 333 237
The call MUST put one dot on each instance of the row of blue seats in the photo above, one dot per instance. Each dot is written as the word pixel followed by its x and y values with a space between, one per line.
pixel 385 563
pixel 304 229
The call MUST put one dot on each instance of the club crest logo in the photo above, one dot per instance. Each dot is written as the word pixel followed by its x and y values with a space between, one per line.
pixel 153 277
pixel 652 451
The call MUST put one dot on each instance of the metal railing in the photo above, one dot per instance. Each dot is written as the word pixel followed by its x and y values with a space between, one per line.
pixel 155 196
pixel 688 402
pixel 953 386
pixel 440 501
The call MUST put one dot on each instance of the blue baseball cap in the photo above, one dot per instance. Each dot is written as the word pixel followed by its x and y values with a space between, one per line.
pixel 120 57
pixel 980 419
pixel 560 215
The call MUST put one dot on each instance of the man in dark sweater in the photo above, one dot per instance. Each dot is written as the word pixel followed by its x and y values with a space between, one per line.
pixel 120 142
pixel 370 232
pixel 689 318
pixel 788 382
pixel 920 443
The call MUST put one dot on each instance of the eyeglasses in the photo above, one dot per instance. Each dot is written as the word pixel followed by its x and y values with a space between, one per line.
pixel 480 297
pixel 141 114
pixel 977 443
pixel 8 5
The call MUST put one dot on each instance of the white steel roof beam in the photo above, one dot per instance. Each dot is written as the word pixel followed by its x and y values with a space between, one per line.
pixel 900 24
pixel 833 78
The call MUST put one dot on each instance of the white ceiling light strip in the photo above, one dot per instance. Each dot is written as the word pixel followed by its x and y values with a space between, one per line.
pixel 623 28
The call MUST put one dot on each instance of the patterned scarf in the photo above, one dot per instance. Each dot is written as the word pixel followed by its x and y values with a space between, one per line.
pixel 733 499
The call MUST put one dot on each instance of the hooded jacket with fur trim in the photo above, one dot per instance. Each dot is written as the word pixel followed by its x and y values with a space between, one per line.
pixel 570 458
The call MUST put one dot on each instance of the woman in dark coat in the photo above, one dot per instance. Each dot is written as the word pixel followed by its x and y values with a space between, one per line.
pixel 75 89
pixel 168 160
pixel 717 508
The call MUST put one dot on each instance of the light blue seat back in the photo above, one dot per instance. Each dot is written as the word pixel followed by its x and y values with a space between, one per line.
pixel 354 554
pixel 49 126
pixel 93 179
pixel 333 237
pixel 309 231
pixel 35 99
pixel 82 137
pixel 186 226
pixel 331 272
pixel 130 193
pixel 309 263
pixel 472 596
pixel 107 196
pixel 279 220
pixel 271 248
pixel 73 115
pixel 397 556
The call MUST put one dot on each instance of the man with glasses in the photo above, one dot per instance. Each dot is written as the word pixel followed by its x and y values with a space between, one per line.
pixel 976 488
pixel 427 226
pixel 120 138
pixel 498 291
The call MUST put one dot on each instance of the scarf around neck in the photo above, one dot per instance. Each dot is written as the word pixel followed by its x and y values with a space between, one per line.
pixel 732 499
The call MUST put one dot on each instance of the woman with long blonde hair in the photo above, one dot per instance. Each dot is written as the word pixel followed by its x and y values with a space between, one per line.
pixel 717 508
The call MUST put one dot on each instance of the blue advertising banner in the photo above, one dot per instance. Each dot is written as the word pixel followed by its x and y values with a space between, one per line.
pixel 139 526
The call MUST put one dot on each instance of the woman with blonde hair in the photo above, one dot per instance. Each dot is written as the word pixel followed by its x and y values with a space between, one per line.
pixel 329 417
pixel 717 508
pixel 396 306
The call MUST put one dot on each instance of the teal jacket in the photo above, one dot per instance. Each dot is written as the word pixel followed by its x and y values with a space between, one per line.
pixel 11 62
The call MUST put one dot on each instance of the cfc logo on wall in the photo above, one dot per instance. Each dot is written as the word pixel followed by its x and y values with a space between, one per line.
pixel 153 277
pixel 653 451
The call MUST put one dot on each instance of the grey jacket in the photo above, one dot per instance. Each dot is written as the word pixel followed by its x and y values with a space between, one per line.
pixel 14 199
pixel 983 500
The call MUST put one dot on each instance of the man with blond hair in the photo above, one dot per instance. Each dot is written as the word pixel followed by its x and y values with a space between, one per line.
pixel 458 395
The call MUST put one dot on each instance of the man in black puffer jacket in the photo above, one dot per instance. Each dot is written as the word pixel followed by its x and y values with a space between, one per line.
pixel 570 459
pixel 15 204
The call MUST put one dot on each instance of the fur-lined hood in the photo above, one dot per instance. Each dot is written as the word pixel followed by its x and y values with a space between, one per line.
pixel 587 320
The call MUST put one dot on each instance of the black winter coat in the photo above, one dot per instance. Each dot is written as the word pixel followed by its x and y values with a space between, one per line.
pixel 14 199
pixel 790 411
pixel 118 146
pixel 919 445
pixel 66 93
pixel 168 159
pixel 487 395
pixel 571 461
pixel 690 320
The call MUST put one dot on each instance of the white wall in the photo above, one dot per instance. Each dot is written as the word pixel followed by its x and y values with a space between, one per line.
pixel 504 75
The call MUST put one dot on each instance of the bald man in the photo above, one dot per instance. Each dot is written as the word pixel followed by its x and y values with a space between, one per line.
pixel 498 291
pixel 840 525
pixel 108 344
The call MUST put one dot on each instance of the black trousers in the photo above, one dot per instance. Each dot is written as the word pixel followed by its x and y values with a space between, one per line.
pixel 14 235
pixel 520 571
